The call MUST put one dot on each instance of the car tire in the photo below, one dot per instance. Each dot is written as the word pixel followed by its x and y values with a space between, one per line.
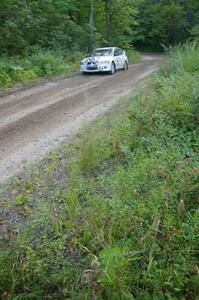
pixel 126 66
pixel 113 68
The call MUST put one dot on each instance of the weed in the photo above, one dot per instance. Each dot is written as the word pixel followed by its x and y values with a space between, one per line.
pixel 21 199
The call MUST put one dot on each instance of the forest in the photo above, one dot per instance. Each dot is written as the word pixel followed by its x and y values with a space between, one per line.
pixel 67 24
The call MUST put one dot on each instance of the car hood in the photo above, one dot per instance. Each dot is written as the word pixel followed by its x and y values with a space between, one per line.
pixel 97 59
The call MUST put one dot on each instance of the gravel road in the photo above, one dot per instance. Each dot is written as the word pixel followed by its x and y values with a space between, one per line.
pixel 36 120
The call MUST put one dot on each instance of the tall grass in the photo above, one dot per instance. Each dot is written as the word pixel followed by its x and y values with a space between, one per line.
pixel 125 226
pixel 42 63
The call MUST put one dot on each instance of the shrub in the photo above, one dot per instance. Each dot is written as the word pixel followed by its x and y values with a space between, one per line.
pixel 48 63
pixel 41 63
pixel 5 79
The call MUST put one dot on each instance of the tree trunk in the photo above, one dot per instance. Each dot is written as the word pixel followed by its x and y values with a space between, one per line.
pixel 108 19
pixel 91 27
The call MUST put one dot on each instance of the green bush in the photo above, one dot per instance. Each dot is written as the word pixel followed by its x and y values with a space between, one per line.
pixel 48 63
pixel 132 55
pixel 185 59
pixel 21 75
pixel 5 79
pixel 39 64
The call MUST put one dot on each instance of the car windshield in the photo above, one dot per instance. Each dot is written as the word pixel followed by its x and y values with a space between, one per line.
pixel 102 52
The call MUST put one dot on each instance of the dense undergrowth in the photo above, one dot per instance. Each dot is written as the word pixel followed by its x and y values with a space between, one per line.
pixel 43 63
pixel 123 222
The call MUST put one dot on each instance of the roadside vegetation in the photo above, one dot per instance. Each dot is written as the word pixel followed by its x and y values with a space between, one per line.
pixel 114 215
pixel 42 64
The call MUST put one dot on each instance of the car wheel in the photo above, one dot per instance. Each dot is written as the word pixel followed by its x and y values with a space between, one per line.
pixel 126 66
pixel 113 68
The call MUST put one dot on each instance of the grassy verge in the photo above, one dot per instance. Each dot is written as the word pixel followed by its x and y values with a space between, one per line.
pixel 42 64
pixel 115 214
pixel 29 69
pixel 132 55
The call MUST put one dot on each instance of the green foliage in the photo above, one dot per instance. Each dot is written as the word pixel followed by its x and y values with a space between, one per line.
pixel 46 37
pixel 132 54
pixel 121 19
pixel 62 25
pixel 186 59
pixel 48 63
pixel 165 23
pixel 124 223
pixel 40 64
pixel 195 32
pixel 87 159
pixel 5 79
pixel 43 23
pixel 21 199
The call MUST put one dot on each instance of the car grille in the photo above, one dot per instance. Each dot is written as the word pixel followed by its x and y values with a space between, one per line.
pixel 92 67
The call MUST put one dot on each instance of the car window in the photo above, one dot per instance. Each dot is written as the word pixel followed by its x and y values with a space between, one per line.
pixel 102 52
pixel 117 52
pixel 120 51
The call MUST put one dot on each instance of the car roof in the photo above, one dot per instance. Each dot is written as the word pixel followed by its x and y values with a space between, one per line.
pixel 105 48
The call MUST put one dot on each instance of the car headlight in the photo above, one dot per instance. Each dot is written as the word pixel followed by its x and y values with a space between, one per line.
pixel 82 63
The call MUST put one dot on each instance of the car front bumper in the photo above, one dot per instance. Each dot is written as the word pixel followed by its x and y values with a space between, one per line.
pixel 101 68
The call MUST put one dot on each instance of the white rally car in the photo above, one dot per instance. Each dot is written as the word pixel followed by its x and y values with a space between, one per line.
pixel 107 59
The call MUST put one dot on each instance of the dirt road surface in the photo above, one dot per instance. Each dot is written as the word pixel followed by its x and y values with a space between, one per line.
pixel 36 120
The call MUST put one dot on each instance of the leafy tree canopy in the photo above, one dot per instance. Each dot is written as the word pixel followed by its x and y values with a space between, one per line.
pixel 68 25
